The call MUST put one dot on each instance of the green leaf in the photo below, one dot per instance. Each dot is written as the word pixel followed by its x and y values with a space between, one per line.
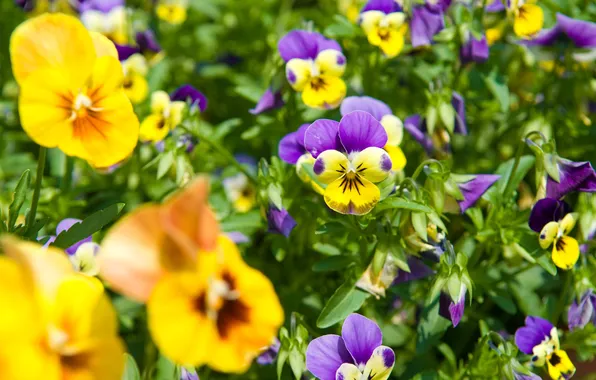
pixel 131 371
pixel 394 202
pixel 431 119
pixel 447 114
pixel 503 299
pixel 297 363
pixel 504 170
pixel 341 28
pixel 420 225
pixel 545 262
pixel 330 228
pixel 88 226
pixel 550 164
pixel 165 163
pixel 18 199
pixel 282 357
pixel 431 327
pixel 332 263
pixel 499 90
pixel 346 300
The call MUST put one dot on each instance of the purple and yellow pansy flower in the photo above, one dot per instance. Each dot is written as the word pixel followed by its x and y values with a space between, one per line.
pixel 540 339
pixel 392 124
pixel 106 17
pixel 135 70
pixel 528 18
pixel 314 67
pixel 350 160
pixel 383 22
pixel 554 221
pixel 357 354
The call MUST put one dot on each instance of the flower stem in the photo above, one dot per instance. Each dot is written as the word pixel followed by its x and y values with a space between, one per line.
pixel 520 150
pixel 41 163
pixel 67 178
pixel 423 164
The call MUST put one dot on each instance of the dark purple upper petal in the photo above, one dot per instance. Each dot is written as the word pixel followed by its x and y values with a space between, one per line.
pixel 584 313
pixel 385 6
pixel 322 135
pixel 458 103
pixel 418 270
pixel 474 50
pixel 545 37
pixel 413 125
pixel 304 45
pixel 361 336
pixel 365 103
pixel 547 210
pixel 532 334
pixel 582 33
pixel 280 221
pixel 291 146
pixel 438 5
pixel 495 6
pixel 188 92
pixel 147 41
pixel 125 51
pixel 99 5
pixel 325 355
pixel 473 189
pixel 359 130
pixel 425 24
pixel 269 100
pixel 574 176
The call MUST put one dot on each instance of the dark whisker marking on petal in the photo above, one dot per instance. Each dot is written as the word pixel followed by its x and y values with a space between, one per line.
pixel 342 167
pixel 359 166
pixel 359 181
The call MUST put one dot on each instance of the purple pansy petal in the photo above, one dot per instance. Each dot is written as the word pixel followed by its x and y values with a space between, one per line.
pixel 367 104
pixel 238 237
pixel 413 125
pixel 584 313
pixel 473 189
pixel 532 334
pixel 474 50
pixel 418 270
pixel 188 92
pixel 385 6
pixel 545 37
pixel 280 221
pixel 582 33
pixel 361 336
pixel 290 150
pixel 547 210
pixel 186 374
pixel 458 103
pixel 99 5
pixel 495 6
pixel 147 41
pixel 125 51
pixel 325 355
pixel 450 310
pixel 67 224
pixel 322 135
pixel 270 354
pixel 359 130
pixel 304 45
pixel 50 240
pixel 573 176
pixel 269 100
pixel 425 24
pixel 438 5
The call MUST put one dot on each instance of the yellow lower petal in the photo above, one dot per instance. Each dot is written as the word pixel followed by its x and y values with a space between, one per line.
pixel 559 366
pixel 373 164
pixel 348 371
pixel 171 13
pixel 136 88
pixel 398 158
pixel 529 20
pixel 330 165
pixel 351 196
pixel 324 91
pixel 548 234
pixel 393 44
pixel 565 252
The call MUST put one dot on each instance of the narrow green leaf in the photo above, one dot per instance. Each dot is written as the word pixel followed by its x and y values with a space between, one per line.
pixel 504 170
pixel 332 263
pixel 447 114
pixel 420 225
pixel 431 119
pixel 131 371
pixel 394 202
pixel 282 357
pixel 18 199
pixel 346 300
pixel 545 262
pixel 431 327
pixel 166 162
pixel 499 90
pixel 503 299
pixel 88 226
pixel 330 228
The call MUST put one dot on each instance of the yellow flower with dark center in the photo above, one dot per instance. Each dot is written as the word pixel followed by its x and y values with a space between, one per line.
pixel 165 116
pixel 71 90
pixel 172 11
pixel 528 18
pixel 240 192
pixel 55 324
pixel 112 24
pixel 135 85
pixel 565 248
pixel 386 31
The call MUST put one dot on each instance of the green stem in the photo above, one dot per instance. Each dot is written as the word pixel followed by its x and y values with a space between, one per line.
pixel 518 154
pixel 68 169
pixel 41 163
pixel 423 164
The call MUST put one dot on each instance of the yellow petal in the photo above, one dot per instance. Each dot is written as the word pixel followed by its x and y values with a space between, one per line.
pixel 376 367
pixel 373 164
pixel 136 88
pixel 392 44
pixel 560 366
pixel 160 101
pixel 529 20
pixel 330 165
pixel 153 128
pixel 568 222
pixel 325 91
pixel 394 128
pixel 548 234
pixel 298 72
pixel 136 63
pixel 103 46
pixel 369 21
pixel 352 196
pixel 52 40
pixel 565 252
pixel 398 158
pixel 172 13
pixel 176 111
pixel 331 62
pixel 395 20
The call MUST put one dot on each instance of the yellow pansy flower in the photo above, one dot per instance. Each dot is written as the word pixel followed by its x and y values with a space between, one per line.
pixel 386 31
pixel 135 85
pixel 55 324
pixel 165 116
pixel 528 17
pixel 565 248
pixel 172 11
pixel 205 305
pixel 71 90
pixel 240 192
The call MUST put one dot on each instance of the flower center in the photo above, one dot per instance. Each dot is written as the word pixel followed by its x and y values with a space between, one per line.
pixel 351 178
pixel 384 33
pixel 57 339
pixel 318 83
pixel 81 105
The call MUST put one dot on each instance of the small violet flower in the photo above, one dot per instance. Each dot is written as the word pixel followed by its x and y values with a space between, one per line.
pixel 280 221
pixel 270 100
pixel 474 50
pixel 350 160
pixel 269 355
pixel 472 187
pixel 581 33
pixel 427 20
pixel 554 221
pixel 314 67
pixel 453 308
pixel 383 22
pixel 188 374
pixel 581 314
pixel 357 354
pixel 541 339
pixel 392 124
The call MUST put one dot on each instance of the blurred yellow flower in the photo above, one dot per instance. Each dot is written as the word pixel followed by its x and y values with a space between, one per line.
pixel 528 18
pixel 135 85
pixel 112 24
pixel 165 116
pixel 172 11
pixel 205 305
pixel 71 90
pixel 55 324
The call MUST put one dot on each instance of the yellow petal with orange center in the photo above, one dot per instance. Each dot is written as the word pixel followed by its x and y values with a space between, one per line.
pixel 52 40
pixel 172 13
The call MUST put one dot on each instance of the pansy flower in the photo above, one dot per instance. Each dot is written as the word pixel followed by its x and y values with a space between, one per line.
pixel 292 150
pixel 554 221
pixel 205 305
pixel 357 354
pixel 474 49
pixel 427 20
pixel 165 115
pixel 528 18
pixel 584 312
pixel 470 189
pixel 540 339
pixel 439 141
pixel 238 188
pixel 71 90
pixel 383 22
pixel 146 44
pixel 350 160
pixel 172 11
pixel 432 248
pixel 280 221
pixel 106 17
pixel 191 95
pixel 314 67
pixel 270 100
pixel 135 70
pixel 56 324
pixel 42 6
pixel 573 176
pixel 453 308
pixel 392 124
pixel 350 9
